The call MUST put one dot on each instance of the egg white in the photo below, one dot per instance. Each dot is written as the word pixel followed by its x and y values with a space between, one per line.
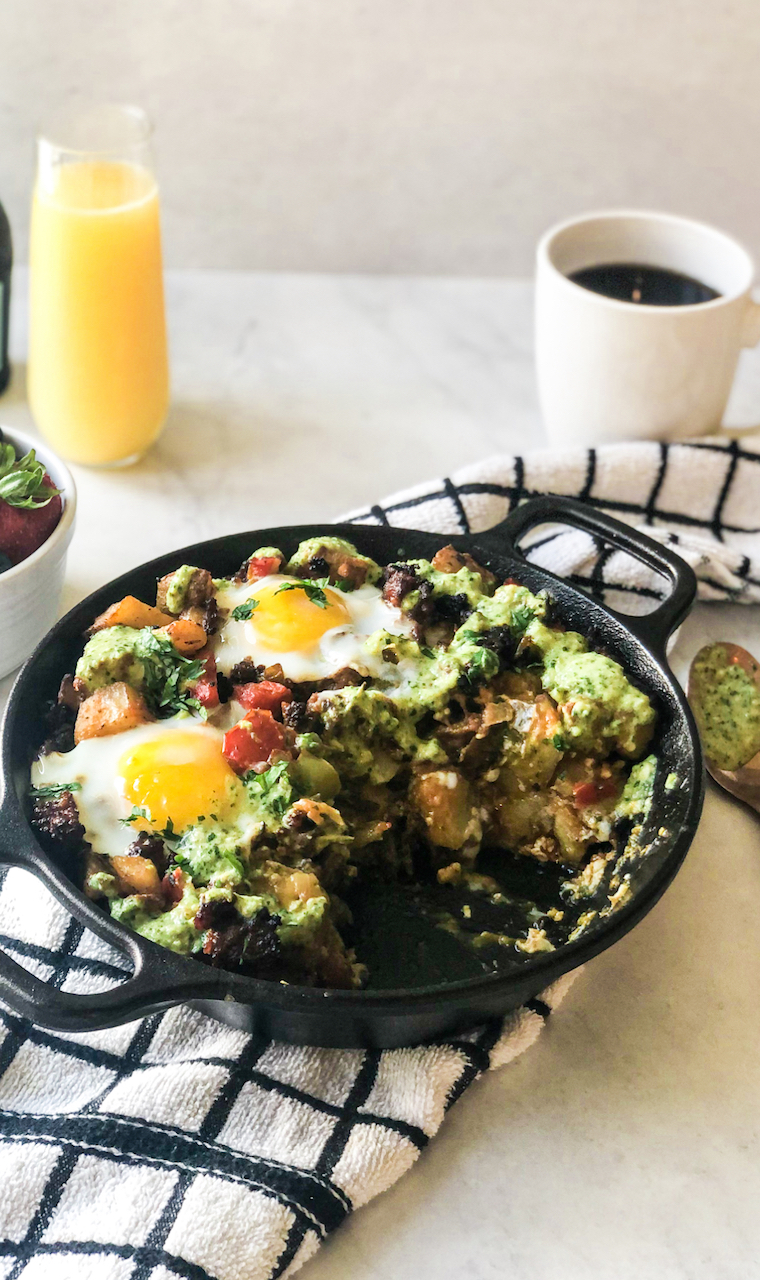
pixel 94 764
pixel 341 646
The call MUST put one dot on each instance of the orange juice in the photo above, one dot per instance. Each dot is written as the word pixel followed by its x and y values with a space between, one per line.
pixel 98 369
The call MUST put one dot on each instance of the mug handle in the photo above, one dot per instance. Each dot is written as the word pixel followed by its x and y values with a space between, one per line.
pixel 751 324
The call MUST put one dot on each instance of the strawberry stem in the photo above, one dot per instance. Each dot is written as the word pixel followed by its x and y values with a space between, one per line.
pixel 22 480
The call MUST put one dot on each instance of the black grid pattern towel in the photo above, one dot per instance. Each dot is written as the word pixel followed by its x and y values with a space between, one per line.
pixel 178 1147
pixel 702 497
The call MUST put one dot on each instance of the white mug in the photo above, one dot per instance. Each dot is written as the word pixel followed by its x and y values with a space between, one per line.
pixel 612 370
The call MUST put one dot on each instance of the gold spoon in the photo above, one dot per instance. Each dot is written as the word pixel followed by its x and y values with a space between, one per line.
pixel 724 693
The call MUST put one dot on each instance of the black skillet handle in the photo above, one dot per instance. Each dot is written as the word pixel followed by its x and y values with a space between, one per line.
pixel 654 628
pixel 160 978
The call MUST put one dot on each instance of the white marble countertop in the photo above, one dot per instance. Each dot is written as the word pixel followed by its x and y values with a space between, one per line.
pixel 627 1142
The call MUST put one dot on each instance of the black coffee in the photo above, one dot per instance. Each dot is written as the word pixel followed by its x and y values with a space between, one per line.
pixel 650 286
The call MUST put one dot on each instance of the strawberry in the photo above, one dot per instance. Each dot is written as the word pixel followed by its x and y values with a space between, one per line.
pixel 30 505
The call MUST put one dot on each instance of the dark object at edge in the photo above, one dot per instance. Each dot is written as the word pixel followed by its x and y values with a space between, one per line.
pixel 6 262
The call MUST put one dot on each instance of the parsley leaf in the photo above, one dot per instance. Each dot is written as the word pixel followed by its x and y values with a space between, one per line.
pixel 278 800
pixel 243 611
pixel 560 742
pixel 521 618
pixel 134 815
pixel 169 834
pixel 51 789
pixel 481 667
pixel 313 589
pixel 235 863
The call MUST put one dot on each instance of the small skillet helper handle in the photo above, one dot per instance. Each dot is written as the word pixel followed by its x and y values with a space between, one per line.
pixel 654 628
pixel 160 978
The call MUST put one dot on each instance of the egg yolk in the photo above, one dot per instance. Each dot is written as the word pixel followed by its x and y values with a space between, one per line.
pixel 295 618
pixel 180 776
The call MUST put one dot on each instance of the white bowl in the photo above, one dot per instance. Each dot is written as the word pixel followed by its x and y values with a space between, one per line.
pixel 30 592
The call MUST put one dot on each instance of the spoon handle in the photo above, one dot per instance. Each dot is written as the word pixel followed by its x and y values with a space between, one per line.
pixel 744 784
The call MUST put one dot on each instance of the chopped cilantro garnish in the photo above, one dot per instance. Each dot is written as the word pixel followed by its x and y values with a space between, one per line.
pixel 266 784
pixel 426 651
pixel 559 742
pixel 521 618
pixel 243 611
pixel 314 591
pixel 168 675
pixel 134 815
pixel 481 667
pixel 235 862
pixel 50 789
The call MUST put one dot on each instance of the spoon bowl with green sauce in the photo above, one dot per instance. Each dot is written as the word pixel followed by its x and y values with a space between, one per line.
pixel 724 692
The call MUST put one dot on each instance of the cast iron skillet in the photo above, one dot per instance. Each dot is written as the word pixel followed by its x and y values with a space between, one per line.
pixel 411 1012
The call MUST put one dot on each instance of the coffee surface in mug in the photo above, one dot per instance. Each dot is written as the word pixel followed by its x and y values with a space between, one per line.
pixel 648 286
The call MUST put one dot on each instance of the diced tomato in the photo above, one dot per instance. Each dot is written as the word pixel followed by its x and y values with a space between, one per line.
pixel 253 740
pixel 586 793
pixel 206 690
pixel 267 695
pixel 262 566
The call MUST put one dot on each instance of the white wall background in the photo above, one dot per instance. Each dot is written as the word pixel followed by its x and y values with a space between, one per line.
pixel 401 135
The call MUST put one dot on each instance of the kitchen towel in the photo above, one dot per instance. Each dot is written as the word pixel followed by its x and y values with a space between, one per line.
pixel 700 497
pixel 178 1147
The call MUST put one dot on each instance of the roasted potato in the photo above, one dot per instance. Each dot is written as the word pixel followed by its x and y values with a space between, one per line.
pixel 113 709
pixel 186 636
pixel 135 874
pixel 131 612
pixel 299 886
pixel 442 798
pixel 196 590
pixel 449 560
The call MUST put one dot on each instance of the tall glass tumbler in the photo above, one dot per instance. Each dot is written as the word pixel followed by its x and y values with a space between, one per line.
pixel 98 367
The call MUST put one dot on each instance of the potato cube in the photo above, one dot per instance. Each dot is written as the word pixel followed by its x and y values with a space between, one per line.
pixel 442 798
pixel 131 612
pixel 135 874
pixel 186 636
pixel 112 709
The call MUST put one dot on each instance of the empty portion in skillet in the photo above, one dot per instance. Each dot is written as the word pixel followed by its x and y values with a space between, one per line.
pixel 334 772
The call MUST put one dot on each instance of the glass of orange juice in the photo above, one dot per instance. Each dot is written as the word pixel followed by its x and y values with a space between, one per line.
pixel 98 369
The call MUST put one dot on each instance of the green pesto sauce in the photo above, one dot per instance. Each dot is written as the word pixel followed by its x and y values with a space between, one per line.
pixel 725 700
pixel 177 590
pixel 317 546
pixel 111 655
pixel 597 701
pixel 176 929
pixel 636 799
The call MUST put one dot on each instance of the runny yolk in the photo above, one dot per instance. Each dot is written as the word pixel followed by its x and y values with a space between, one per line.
pixel 180 776
pixel 296 618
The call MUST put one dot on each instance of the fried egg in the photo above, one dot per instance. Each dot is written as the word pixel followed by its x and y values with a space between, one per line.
pixel 311 631
pixel 174 770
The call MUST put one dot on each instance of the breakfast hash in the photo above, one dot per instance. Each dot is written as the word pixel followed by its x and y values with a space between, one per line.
pixel 226 763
